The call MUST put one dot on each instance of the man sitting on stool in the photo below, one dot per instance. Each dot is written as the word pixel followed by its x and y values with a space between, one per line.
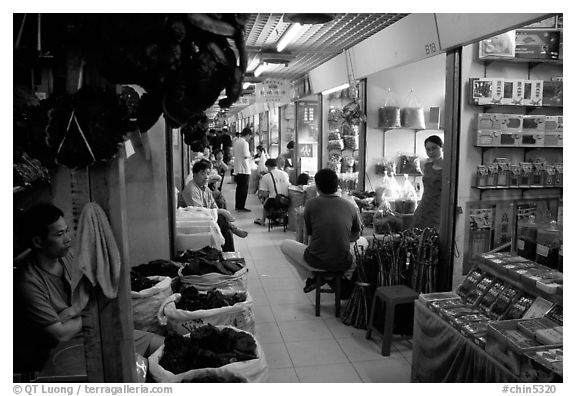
pixel 331 223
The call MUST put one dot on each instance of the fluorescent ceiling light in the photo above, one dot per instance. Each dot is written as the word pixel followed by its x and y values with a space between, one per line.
pixel 288 36
pixel 253 63
pixel 335 89
pixel 246 85
pixel 261 67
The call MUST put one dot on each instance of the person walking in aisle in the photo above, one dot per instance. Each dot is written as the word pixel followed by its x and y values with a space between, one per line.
pixel 242 169
pixel 427 214
pixel 266 186
pixel 43 296
pixel 332 223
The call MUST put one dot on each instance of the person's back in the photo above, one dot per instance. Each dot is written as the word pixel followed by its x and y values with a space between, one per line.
pixel 330 221
pixel 281 180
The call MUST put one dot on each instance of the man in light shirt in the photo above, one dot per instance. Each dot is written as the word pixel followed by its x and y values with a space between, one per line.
pixel 242 169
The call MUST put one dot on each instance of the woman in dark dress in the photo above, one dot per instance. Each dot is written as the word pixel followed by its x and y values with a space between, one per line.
pixel 427 213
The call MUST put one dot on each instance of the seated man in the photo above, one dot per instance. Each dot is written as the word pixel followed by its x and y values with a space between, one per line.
pixel 266 187
pixel 197 193
pixel 331 223
pixel 43 291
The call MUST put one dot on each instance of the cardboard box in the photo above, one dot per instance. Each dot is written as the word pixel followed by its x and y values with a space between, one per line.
pixel 488 138
pixel 481 91
pixel 554 124
pixel 533 92
pixel 510 139
pixel 553 139
pixel 532 139
pixel 513 92
pixel 552 93
pixel 511 122
pixel 488 121
pixel 533 123
pixel 537 44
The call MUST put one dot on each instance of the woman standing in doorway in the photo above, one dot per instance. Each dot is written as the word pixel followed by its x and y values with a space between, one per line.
pixel 427 213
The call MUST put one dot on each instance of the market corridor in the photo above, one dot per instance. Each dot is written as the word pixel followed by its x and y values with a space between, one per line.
pixel 300 347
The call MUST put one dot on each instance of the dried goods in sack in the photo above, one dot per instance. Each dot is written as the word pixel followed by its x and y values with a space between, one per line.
pixel 186 357
pixel 147 300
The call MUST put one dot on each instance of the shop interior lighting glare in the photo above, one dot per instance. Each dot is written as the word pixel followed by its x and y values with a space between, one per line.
pixel 253 63
pixel 336 89
pixel 290 35
pixel 246 85
pixel 261 67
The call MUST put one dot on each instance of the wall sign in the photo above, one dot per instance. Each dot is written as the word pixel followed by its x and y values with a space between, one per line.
pixel 273 91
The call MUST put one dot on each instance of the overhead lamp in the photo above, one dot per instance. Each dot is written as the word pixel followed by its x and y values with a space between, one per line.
pixel 288 36
pixel 253 63
pixel 261 67
pixel 336 89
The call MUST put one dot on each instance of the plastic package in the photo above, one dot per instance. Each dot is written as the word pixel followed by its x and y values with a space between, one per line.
pixel 336 144
pixel 351 142
pixel 548 244
pixel 412 115
pixel 334 134
pixel 350 130
pixel 389 113
pixel 347 164
pixel 527 235
pixel 335 117
pixel 409 163
pixel 391 188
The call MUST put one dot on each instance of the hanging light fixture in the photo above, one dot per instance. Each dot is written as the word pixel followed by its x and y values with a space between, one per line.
pixel 289 35
pixel 261 67
pixel 336 89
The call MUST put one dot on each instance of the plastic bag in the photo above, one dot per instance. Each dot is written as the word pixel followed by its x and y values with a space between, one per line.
pixel 254 370
pixel 412 115
pixel 334 134
pixel 351 142
pixel 239 315
pixel 145 305
pixel 347 164
pixel 391 190
pixel 336 144
pixel 409 164
pixel 389 113
pixel 236 282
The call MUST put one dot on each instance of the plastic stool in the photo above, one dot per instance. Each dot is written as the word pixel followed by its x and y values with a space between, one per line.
pixel 321 277
pixel 391 296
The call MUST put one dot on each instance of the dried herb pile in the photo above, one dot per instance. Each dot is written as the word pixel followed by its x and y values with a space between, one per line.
pixel 193 300
pixel 206 347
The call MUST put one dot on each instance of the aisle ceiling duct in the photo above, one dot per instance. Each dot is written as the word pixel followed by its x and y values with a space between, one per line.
pixel 315 44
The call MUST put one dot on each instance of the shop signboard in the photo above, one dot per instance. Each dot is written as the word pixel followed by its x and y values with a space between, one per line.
pixel 273 90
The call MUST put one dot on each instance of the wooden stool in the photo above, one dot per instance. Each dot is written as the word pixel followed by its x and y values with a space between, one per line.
pixel 390 296
pixel 321 277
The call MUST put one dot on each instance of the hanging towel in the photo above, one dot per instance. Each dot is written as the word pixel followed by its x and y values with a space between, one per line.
pixel 95 251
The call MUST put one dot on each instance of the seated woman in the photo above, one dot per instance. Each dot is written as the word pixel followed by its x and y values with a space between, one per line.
pixel 266 187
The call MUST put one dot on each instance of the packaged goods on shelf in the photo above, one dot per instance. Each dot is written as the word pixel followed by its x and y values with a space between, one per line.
pixel 537 43
pixel 554 124
pixel 389 117
pixel 511 122
pixel 554 139
pixel 533 92
pixel 488 121
pixel 513 92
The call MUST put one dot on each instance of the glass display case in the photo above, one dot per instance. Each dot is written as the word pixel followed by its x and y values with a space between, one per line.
pixel 274 132
pixel 307 131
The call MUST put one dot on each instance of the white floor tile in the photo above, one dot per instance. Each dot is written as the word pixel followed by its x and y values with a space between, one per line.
pixel 292 312
pixel 341 372
pixel 358 349
pixel 340 330
pixel 304 330
pixel 276 355
pixel 316 352
pixel 263 314
pixel 278 284
pixel 284 375
pixel 387 370
pixel 286 297
pixel 268 333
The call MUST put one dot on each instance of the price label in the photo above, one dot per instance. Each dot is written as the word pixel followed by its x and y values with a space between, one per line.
pixel 542 250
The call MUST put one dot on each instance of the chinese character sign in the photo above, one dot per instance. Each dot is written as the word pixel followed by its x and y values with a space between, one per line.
pixel 273 91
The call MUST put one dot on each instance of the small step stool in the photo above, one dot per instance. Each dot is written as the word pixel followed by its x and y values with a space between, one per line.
pixel 390 297
pixel 320 280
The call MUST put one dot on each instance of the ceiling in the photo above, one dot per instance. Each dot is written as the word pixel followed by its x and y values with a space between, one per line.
pixel 315 44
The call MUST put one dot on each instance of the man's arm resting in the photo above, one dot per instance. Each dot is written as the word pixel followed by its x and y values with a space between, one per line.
pixel 65 331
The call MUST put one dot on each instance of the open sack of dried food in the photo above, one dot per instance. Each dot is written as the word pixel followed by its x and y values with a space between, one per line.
pixel 209 268
pixel 184 358
pixel 190 308
pixel 148 293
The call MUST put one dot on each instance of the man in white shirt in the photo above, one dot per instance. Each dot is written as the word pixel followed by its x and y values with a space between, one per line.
pixel 242 169
pixel 266 187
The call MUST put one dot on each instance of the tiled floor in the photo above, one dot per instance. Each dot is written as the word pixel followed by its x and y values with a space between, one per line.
pixel 298 346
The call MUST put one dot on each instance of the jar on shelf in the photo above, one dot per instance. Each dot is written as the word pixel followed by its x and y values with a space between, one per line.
pixel 548 244
pixel 527 238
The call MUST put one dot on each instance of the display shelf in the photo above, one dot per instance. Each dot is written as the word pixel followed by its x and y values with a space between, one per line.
pixel 517 188
pixel 519 147
pixel 519 60
pixel 515 106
